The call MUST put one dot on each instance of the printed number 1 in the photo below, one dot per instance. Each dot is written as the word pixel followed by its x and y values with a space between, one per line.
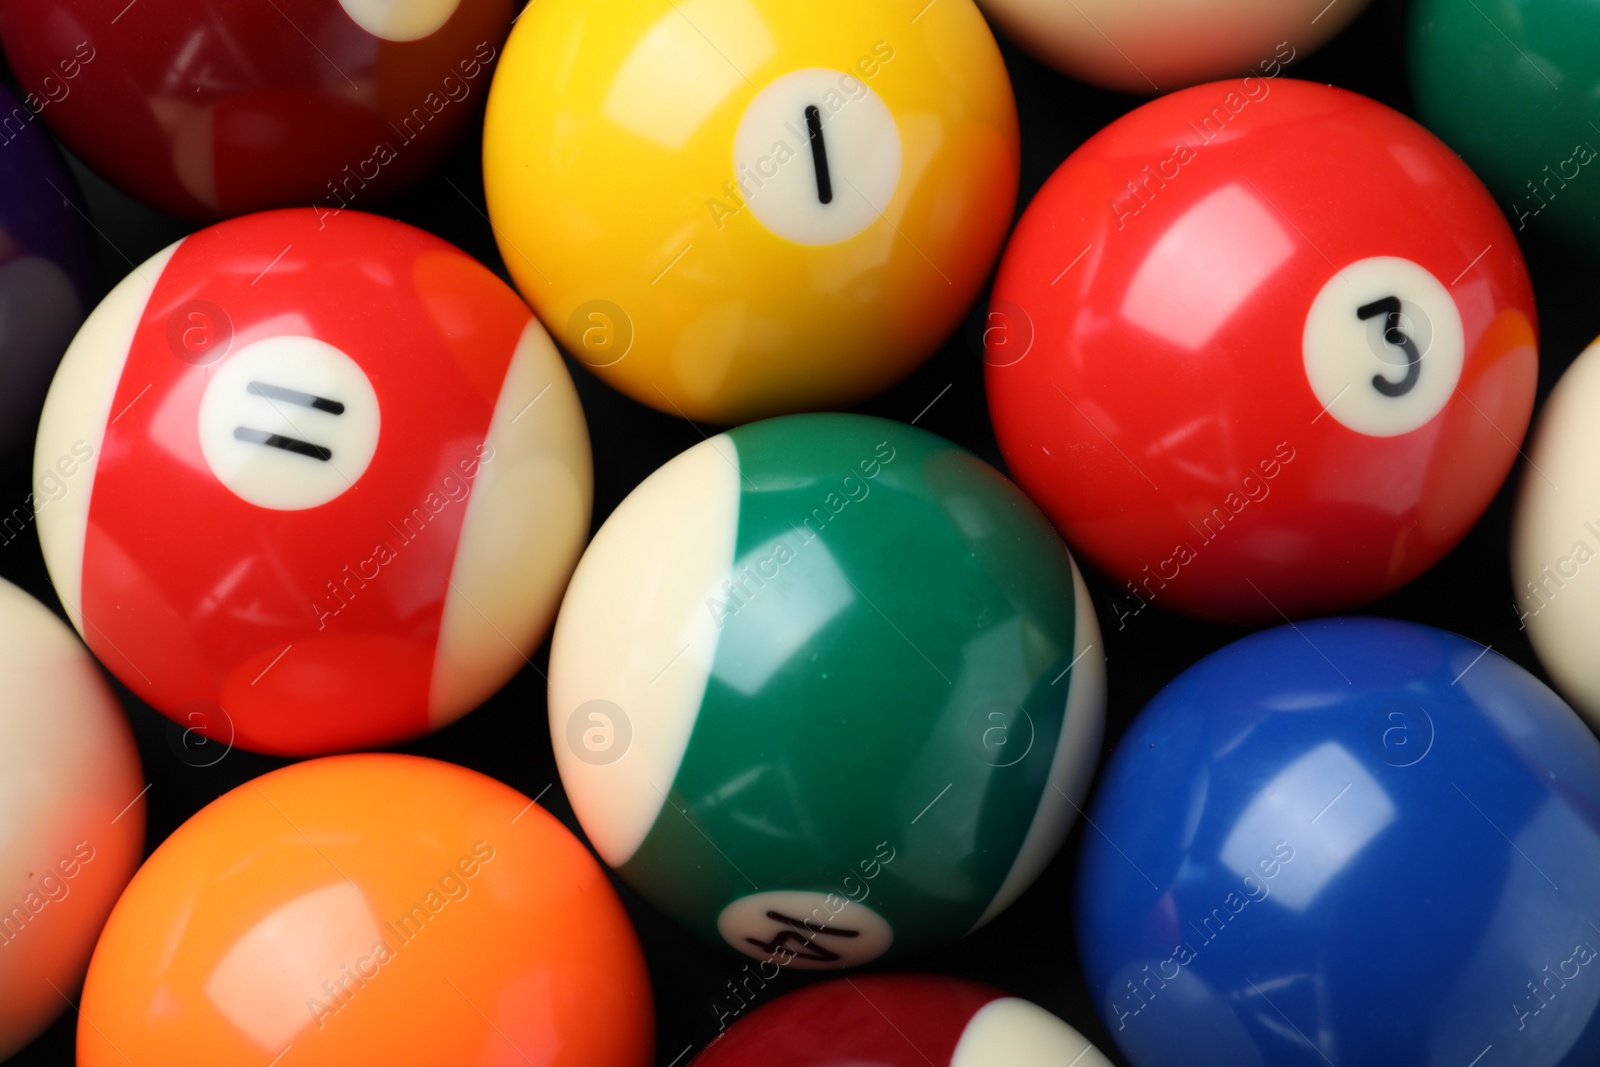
pixel 819 154
pixel 1393 334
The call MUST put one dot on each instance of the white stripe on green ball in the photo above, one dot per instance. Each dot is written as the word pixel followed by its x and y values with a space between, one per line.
pixel 884 603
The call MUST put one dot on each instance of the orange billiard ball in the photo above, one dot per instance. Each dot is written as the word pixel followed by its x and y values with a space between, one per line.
pixel 368 909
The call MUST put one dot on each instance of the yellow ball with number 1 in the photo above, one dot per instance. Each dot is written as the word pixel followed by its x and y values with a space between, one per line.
pixel 731 209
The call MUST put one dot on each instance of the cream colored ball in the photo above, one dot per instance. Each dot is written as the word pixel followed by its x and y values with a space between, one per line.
pixel 1156 46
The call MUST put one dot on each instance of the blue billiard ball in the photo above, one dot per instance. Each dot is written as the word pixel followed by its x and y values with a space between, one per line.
pixel 1355 841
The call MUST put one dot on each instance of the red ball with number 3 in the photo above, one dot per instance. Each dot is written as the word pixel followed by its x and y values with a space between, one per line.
pixel 1261 348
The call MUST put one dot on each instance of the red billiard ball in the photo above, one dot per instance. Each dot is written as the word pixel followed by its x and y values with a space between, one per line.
pixel 1261 348
pixel 896 1020
pixel 310 485
pixel 213 109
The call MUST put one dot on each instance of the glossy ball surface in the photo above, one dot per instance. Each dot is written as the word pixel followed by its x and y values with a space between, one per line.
pixel 312 484
pixel 731 209
pixel 46 269
pixel 369 909
pixel 1261 348
pixel 71 814
pixel 826 687
pixel 900 1020
pixel 1554 536
pixel 1156 46
pixel 206 109
pixel 1515 88
pixel 1351 841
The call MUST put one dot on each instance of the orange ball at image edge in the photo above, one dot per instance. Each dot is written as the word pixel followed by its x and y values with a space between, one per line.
pixel 72 818
pixel 380 909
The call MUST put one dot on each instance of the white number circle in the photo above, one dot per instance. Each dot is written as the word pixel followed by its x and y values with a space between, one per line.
pixel 288 422
pixel 811 931
pixel 1383 346
pixel 400 20
pixel 817 156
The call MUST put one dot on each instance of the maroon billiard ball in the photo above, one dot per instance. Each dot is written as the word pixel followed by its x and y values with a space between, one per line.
pixel 894 1020
pixel 212 109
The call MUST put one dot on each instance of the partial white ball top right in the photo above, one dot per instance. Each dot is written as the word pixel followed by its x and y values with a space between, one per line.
pixel 1156 46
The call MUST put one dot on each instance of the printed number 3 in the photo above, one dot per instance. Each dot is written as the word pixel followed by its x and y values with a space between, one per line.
pixel 1393 334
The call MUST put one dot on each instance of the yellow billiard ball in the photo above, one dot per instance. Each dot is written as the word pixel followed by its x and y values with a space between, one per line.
pixel 730 209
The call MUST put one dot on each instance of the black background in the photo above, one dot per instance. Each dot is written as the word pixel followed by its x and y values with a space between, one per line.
pixel 1029 949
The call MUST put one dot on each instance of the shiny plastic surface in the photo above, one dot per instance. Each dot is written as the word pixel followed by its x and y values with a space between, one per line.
pixel 46 269
pixel 1555 536
pixel 730 209
pixel 369 909
pixel 900 1020
pixel 1156 46
pixel 1355 841
pixel 207 108
pixel 1514 87
pixel 71 814
pixel 1261 348
pixel 313 484
pixel 824 688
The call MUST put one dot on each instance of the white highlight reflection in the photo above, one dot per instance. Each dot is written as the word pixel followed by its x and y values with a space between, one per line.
pixel 1206 266
pixel 1326 806
pixel 263 983
pixel 684 66
pixel 783 614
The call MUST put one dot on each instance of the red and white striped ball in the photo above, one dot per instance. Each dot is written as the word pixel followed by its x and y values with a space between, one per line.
pixel 311 482
pixel 896 1020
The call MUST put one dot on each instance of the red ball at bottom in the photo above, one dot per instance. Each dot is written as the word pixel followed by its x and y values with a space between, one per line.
pixel 900 1020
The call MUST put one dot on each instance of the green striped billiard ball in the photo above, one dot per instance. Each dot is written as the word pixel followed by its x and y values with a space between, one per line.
pixel 1514 86
pixel 826 688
